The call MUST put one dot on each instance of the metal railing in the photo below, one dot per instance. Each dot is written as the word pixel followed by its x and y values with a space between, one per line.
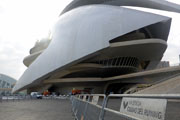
pixel 16 97
pixel 101 107
pixel 82 106
pixel 8 98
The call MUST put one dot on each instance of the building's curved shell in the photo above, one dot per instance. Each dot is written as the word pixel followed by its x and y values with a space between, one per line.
pixel 154 4
pixel 85 32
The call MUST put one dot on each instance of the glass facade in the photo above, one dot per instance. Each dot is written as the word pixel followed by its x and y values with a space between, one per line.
pixel 6 84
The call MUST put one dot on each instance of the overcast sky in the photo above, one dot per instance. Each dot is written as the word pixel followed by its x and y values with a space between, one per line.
pixel 22 22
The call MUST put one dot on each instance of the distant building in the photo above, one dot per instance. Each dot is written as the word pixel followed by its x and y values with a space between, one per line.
pixel 163 64
pixel 6 84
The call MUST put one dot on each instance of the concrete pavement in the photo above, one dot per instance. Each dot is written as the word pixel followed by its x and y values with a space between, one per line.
pixel 36 110
pixel 171 86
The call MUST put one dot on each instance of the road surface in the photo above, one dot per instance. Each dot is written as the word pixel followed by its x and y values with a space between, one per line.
pixel 36 110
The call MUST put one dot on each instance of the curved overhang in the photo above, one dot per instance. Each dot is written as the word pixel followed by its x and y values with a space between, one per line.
pixel 153 49
pixel 154 4
pixel 82 32
pixel 40 45
pixel 121 77
pixel 30 58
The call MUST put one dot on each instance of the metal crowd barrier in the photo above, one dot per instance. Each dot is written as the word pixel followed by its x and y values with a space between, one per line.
pixel 8 98
pixel 126 107
pixel 88 106
pixel 16 97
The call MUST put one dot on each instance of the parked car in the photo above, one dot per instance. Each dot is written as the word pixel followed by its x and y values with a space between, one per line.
pixel 36 95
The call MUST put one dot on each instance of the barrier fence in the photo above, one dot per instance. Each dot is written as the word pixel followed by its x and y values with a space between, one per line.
pixel 9 98
pixel 126 107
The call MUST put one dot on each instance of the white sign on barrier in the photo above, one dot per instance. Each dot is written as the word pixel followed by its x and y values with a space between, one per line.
pixel 144 108
pixel 95 100
pixel 84 98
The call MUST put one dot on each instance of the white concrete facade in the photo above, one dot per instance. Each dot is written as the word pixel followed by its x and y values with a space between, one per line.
pixel 93 33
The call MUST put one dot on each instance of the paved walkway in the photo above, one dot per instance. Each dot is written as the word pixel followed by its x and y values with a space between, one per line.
pixel 36 110
pixel 170 86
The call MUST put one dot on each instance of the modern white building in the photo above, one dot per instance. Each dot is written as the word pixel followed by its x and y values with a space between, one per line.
pixel 94 40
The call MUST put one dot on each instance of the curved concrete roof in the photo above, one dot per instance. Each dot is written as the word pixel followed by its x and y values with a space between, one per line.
pixel 155 4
